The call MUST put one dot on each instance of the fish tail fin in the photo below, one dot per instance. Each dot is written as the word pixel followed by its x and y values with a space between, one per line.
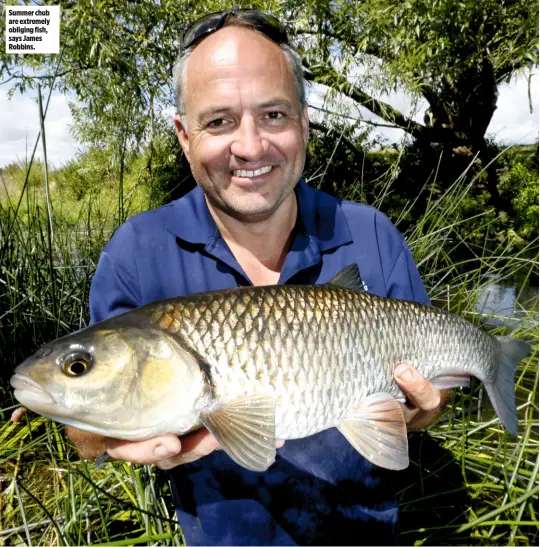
pixel 501 392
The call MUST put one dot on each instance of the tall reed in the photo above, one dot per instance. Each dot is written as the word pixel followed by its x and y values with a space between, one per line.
pixel 468 482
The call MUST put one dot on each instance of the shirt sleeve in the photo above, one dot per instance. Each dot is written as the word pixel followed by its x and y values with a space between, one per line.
pixel 115 286
pixel 404 281
pixel 401 276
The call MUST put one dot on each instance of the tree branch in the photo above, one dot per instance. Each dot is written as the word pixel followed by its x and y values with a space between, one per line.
pixel 352 118
pixel 326 75
pixel 338 135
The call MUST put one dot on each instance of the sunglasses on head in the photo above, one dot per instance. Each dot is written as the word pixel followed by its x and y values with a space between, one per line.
pixel 263 22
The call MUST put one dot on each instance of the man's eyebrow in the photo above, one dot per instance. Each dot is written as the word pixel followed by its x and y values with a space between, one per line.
pixel 212 111
pixel 273 103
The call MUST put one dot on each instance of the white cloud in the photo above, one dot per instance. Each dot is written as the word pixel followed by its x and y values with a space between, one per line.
pixel 19 121
pixel 19 128
pixel 512 122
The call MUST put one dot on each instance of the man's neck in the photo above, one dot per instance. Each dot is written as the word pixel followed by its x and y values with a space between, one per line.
pixel 259 247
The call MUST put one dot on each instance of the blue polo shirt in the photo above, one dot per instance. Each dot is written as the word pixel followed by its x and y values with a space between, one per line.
pixel 319 490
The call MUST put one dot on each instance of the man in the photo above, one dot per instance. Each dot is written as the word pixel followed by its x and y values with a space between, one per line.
pixel 243 125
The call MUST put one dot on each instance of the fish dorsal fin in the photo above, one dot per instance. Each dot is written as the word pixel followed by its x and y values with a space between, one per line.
pixel 348 278
pixel 377 429
pixel 246 429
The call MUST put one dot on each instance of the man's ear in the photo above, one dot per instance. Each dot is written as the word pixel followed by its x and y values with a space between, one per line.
pixel 181 133
pixel 305 123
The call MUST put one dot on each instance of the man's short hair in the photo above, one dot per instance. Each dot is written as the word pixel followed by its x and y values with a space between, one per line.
pixel 180 66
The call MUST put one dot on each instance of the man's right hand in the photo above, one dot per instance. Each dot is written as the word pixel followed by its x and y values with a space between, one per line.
pixel 164 451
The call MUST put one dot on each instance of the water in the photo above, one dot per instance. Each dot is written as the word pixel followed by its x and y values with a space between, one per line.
pixel 508 304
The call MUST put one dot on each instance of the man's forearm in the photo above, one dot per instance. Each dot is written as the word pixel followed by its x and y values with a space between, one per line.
pixel 89 445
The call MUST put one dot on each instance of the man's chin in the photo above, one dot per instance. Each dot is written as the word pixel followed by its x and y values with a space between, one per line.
pixel 251 213
pixel 252 207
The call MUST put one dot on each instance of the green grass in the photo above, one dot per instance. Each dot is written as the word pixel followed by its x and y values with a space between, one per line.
pixel 50 497
pixel 468 483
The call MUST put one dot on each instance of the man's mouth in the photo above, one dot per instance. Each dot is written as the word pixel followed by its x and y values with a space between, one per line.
pixel 251 174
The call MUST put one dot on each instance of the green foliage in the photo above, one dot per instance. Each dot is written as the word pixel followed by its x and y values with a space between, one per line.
pixel 438 41
pixel 468 483
pixel 451 54
pixel 86 174
pixel 518 186
pixel 118 59
pixel 402 182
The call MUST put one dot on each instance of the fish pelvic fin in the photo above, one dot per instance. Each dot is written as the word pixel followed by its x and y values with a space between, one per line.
pixel 246 429
pixel 348 278
pixel 501 392
pixel 377 429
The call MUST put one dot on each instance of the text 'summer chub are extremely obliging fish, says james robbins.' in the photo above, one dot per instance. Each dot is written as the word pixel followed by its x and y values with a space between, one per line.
pixel 33 30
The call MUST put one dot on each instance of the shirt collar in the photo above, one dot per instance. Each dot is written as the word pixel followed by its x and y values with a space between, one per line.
pixel 190 220
pixel 320 218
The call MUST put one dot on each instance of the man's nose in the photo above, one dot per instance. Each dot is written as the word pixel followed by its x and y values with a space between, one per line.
pixel 249 144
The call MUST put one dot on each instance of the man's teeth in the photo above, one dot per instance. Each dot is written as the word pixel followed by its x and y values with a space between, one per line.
pixel 261 171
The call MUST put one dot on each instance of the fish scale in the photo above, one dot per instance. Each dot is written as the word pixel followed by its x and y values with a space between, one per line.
pixel 331 360
pixel 255 364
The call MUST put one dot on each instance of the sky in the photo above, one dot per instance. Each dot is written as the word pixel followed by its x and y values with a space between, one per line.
pixel 512 122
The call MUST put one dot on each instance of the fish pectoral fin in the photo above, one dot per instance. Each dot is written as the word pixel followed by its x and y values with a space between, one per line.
pixel 246 429
pixel 377 429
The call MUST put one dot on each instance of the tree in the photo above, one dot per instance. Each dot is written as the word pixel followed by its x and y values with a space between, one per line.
pixel 118 58
pixel 453 54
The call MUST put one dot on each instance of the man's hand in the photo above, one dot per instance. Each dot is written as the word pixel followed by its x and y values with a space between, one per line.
pixel 164 451
pixel 424 401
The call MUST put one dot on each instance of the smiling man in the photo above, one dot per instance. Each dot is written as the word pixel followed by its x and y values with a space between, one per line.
pixel 243 125
pixel 247 129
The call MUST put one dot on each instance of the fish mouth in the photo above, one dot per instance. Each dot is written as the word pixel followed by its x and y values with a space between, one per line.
pixel 30 393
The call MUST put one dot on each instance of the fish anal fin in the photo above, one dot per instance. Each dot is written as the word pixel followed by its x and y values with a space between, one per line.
pixel 245 428
pixel 451 379
pixel 376 428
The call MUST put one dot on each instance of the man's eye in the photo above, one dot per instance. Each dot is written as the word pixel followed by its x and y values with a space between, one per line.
pixel 275 115
pixel 214 124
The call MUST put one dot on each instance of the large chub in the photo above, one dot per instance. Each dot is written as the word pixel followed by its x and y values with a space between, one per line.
pixel 501 392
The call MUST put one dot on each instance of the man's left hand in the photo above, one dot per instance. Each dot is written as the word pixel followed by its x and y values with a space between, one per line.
pixel 424 401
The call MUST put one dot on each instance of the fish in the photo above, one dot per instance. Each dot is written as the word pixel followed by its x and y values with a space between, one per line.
pixel 256 364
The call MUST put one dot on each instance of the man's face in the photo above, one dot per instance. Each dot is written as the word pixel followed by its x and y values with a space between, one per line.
pixel 246 138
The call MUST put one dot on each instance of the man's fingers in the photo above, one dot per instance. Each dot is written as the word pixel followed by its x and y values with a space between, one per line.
pixel 194 446
pixel 420 392
pixel 147 452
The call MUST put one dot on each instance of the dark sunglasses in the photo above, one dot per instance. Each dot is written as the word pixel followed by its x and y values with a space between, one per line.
pixel 263 22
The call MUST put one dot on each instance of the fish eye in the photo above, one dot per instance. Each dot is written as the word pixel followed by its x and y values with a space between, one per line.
pixel 76 364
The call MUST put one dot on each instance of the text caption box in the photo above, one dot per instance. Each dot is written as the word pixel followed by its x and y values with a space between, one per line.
pixel 32 29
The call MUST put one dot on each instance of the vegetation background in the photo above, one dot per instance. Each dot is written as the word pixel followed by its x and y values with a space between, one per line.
pixel 468 207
